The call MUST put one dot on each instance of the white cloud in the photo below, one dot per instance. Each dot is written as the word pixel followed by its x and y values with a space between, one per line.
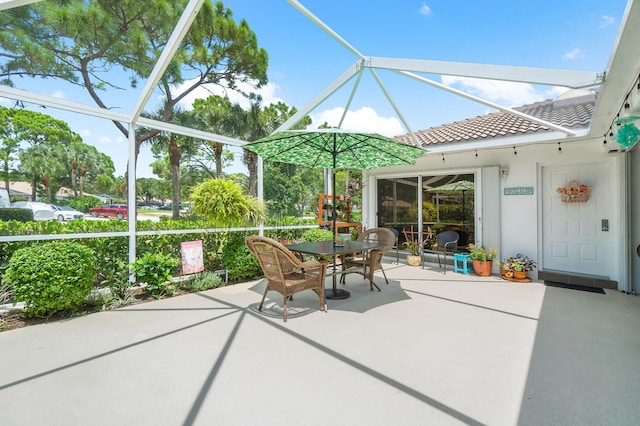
pixel 506 93
pixel 606 21
pixel 267 93
pixel 573 54
pixel 365 119
pixel 425 10
pixel 85 133
pixel 58 94
pixel 107 140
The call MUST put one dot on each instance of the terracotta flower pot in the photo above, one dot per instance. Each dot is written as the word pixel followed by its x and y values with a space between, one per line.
pixel 482 267
pixel 520 275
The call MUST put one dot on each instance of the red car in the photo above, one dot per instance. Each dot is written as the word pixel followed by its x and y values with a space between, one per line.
pixel 119 211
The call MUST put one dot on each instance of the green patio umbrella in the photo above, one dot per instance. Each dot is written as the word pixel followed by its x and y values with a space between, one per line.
pixel 334 149
pixel 461 185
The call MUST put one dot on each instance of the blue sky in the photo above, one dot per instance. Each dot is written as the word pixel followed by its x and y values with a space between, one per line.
pixel 303 59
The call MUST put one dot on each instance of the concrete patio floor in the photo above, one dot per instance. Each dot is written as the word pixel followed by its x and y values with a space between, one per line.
pixel 430 349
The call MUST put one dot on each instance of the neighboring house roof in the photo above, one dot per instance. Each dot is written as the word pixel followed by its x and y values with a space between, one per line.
pixel 573 109
pixel 18 189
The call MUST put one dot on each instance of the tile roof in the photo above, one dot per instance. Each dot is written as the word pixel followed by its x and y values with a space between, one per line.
pixel 573 110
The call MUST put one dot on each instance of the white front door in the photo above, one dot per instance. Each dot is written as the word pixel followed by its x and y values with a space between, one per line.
pixel 574 238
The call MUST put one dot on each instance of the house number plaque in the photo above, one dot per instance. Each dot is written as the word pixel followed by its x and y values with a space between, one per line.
pixel 519 190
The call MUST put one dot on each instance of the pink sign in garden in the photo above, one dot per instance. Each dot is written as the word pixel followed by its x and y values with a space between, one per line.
pixel 192 260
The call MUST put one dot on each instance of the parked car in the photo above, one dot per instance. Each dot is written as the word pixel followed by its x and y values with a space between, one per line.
pixel 168 206
pixel 41 211
pixel 119 211
pixel 65 213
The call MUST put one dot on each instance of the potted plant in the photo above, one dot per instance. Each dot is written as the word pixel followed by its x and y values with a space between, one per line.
pixel 413 247
pixel 482 259
pixel 517 266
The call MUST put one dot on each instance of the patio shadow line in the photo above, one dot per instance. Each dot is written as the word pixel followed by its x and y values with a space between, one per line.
pixel 363 368
pixel 111 352
pixel 473 305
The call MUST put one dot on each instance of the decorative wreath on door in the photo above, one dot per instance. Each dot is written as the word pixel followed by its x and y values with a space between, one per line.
pixel 574 192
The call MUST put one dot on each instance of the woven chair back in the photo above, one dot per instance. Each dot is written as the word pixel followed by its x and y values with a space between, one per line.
pixel 380 235
pixel 275 259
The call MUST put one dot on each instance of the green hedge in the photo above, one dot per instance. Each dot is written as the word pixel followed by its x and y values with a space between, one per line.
pixel 220 250
pixel 20 215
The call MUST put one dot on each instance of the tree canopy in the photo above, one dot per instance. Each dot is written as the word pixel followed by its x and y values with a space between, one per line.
pixel 90 43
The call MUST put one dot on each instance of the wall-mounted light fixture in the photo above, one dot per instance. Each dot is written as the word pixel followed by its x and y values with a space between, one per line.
pixel 504 172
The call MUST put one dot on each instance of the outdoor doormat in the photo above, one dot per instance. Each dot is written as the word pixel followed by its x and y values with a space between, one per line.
pixel 575 287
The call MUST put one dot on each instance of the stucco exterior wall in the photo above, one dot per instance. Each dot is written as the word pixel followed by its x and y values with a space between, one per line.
pixel 520 230
pixel 635 219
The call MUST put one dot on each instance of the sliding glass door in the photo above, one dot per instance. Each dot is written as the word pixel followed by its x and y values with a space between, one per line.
pixel 447 204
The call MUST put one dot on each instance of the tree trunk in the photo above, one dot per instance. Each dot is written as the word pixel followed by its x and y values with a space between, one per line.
pixel 83 172
pixel 6 176
pixel 34 184
pixel 74 177
pixel 46 181
pixel 217 152
pixel 174 158
pixel 251 160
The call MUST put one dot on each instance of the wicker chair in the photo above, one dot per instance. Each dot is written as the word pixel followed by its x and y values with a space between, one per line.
pixel 368 262
pixel 285 273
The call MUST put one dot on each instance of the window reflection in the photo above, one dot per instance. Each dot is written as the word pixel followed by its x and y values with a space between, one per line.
pixel 447 204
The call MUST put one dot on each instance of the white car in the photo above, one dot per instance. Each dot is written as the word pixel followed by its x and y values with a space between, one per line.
pixel 65 213
pixel 41 211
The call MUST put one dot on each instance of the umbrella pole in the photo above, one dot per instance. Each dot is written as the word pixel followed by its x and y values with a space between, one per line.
pixel 335 293
pixel 333 192
pixel 335 205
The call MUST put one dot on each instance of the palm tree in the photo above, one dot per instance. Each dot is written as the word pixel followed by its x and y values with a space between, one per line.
pixel 41 162
pixel 174 146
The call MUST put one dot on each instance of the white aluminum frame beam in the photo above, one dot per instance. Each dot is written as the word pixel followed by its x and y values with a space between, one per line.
pixel 531 75
pixel 324 94
pixel 351 96
pixel 84 109
pixel 546 76
pixel 488 103
pixel 10 4
pixel 63 104
pixel 180 30
pixel 313 18
pixel 393 105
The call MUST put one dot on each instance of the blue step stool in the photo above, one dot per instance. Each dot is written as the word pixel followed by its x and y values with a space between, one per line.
pixel 462 260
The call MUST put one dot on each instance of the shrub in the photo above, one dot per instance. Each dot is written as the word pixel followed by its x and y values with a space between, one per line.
pixel 318 234
pixel 156 270
pixel 20 215
pixel 223 202
pixel 237 259
pixel 117 279
pixel 83 203
pixel 51 277
pixel 204 281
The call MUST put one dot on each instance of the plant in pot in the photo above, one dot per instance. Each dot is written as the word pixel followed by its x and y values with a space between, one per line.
pixel 517 267
pixel 413 247
pixel 482 259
